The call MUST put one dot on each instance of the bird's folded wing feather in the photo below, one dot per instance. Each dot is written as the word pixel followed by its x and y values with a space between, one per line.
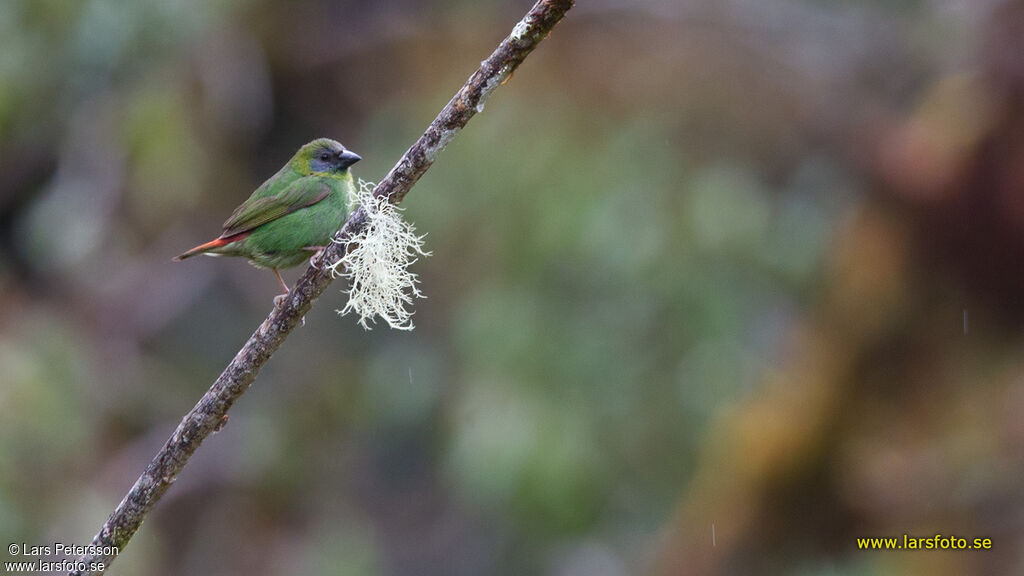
pixel 258 211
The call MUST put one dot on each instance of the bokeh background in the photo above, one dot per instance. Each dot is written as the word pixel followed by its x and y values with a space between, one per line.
pixel 717 287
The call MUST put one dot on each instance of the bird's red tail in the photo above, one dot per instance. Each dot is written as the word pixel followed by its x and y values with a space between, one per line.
pixel 203 248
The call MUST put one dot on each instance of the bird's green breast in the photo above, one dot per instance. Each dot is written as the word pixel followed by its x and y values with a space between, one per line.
pixel 286 241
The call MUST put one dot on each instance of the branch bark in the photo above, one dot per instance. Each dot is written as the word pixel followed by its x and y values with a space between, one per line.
pixel 210 413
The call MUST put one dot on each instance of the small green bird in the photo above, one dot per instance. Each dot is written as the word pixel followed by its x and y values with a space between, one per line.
pixel 293 214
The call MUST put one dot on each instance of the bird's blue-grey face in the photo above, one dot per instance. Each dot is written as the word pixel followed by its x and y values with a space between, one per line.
pixel 333 158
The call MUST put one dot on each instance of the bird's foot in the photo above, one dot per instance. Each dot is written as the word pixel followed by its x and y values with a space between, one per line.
pixel 317 251
pixel 280 299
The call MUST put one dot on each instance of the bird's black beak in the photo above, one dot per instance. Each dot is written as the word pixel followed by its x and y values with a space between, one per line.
pixel 347 159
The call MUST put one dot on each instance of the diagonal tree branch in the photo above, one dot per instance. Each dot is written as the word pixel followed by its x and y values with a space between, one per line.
pixel 210 413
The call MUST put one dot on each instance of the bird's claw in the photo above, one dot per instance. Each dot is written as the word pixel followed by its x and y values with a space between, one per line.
pixel 317 252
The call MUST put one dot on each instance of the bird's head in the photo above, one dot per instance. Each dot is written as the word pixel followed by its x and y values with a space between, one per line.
pixel 325 155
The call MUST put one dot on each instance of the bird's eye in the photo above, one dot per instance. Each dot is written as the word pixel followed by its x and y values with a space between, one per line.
pixel 324 156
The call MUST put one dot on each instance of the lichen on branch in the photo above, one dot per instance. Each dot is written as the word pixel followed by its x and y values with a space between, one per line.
pixel 377 262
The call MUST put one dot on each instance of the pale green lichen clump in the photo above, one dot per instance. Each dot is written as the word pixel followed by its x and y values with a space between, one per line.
pixel 377 264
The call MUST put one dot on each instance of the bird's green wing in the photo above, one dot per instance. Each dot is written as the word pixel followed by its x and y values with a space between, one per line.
pixel 284 177
pixel 258 211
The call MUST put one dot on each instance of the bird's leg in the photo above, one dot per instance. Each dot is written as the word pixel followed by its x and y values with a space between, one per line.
pixel 279 299
pixel 281 280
